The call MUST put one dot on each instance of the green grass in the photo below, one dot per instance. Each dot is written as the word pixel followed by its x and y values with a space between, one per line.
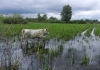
pixel 59 31
pixel 97 30
pixel 88 33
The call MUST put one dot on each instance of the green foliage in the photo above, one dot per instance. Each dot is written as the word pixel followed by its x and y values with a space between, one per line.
pixel 66 13
pixel 53 20
pixel 70 50
pixel 14 19
pixel 56 52
pixel 47 67
pixel 71 53
pixel 44 18
pixel 1 17
pixel 40 48
pixel 41 18
pixel 24 22
pixel 53 53
pixel 97 31
pixel 31 19
pixel 59 31
pixel 88 33
pixel 86 21
pixel 85 60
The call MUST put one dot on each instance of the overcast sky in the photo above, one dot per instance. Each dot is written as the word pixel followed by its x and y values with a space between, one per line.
pixel 81 9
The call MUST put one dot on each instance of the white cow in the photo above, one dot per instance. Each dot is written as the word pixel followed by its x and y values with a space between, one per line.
pixel 34 33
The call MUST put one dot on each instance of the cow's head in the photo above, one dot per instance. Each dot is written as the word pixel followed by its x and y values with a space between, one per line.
pixel 46 32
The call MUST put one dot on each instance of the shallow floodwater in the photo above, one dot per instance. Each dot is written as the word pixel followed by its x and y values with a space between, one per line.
pixel 79 53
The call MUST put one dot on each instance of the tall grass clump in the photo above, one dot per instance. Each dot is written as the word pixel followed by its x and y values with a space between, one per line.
pixel 10 30
pixel 85 60
pixel 71 53
pixel 55 52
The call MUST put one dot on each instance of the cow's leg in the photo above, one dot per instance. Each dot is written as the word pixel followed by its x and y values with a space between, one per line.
pixel 43 42
pixel 27 41
pixel 23 37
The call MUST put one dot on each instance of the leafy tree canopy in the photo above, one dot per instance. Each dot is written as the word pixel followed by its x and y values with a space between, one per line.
pixel 66 13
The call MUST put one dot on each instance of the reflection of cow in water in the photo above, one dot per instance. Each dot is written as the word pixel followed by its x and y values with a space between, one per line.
pixel 34 33
pixel 34 49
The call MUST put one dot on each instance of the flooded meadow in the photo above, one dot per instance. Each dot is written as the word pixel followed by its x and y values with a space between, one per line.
pixel 79 53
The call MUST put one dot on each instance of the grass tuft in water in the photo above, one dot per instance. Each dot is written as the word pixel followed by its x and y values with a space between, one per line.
pixel 85 60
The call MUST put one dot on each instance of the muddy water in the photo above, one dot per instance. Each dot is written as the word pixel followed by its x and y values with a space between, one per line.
pixel 20 55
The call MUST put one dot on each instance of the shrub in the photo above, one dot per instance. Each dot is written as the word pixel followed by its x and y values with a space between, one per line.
pixel 14 19
pixel 25 22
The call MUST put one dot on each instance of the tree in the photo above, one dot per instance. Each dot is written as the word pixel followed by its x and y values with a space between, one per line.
pixel 16 18
pixel 66 13
pixel 39 17
pixel 44 17
pixel 53 19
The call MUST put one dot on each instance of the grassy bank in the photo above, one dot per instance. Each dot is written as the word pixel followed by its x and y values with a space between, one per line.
pixel 60 31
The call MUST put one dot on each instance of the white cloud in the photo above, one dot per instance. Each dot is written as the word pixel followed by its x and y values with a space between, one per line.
pixel 29 15
pixel 82 9
pixel 57 15
pixel 94 14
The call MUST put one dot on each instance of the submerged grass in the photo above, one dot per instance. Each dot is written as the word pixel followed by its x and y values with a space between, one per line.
pixel 59 31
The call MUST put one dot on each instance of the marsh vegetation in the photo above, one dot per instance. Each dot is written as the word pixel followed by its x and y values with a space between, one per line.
pixel 67 47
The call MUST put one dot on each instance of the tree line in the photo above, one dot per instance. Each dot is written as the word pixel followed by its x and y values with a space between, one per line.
pixel 13 19
pixel 42 19
pixel 18 19
pixel 66 15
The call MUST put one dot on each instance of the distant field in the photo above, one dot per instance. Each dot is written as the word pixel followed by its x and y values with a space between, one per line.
pixel 60 31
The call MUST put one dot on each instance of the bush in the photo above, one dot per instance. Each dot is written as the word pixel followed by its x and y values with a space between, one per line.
pixel 14 19
pixel 25 22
